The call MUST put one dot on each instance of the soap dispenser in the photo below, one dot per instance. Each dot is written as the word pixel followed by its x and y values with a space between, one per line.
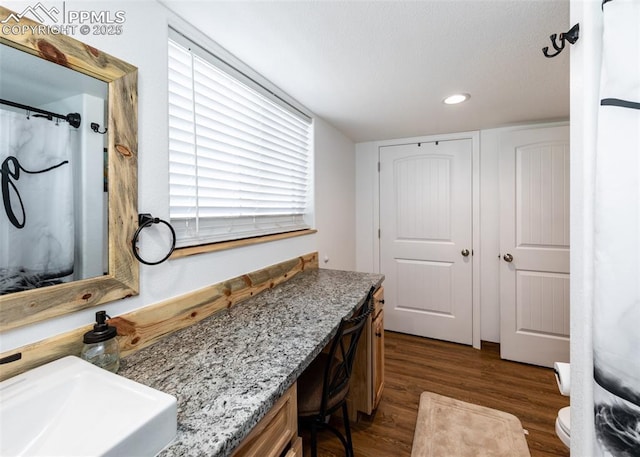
pixel 101 345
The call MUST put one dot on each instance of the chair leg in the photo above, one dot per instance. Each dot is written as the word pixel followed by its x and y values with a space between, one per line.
pixel 347 430
pixel 314 439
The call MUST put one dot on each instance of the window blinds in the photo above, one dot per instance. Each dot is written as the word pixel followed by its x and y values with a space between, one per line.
pixel 238 162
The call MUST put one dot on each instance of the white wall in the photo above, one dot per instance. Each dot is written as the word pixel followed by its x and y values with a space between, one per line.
pixel 144 44
pixel 367 208
pixel 489 235
pixel 585 83
pixel 335 197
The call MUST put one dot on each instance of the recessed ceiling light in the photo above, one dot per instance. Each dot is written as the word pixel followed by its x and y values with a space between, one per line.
pixel 456 98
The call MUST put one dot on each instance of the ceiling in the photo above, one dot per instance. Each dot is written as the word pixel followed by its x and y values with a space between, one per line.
pixel 380 69
pixel 28 80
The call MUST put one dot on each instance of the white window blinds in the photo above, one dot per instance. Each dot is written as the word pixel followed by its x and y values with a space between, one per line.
pixel 238 162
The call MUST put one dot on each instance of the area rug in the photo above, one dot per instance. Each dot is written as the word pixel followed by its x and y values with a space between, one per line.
pixel 451 428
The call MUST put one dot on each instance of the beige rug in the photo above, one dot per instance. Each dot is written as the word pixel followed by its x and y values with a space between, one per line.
pixel 451 428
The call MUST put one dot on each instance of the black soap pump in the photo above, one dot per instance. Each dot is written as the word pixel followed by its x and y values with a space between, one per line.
pixel 101 345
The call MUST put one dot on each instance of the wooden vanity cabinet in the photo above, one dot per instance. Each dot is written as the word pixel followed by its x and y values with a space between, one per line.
pixel 367 378
pixel 296 448
pixel 377 347
pixel 277 433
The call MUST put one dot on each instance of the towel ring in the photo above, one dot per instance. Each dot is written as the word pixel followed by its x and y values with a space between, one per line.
pixel 146 220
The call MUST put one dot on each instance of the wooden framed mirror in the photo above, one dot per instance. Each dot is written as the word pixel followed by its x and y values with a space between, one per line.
pixel 122 278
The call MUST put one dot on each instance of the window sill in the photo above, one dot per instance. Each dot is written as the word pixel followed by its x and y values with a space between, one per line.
pixel 221 246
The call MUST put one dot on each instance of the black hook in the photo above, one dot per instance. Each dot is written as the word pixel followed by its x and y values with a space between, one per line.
pixel 96 128
pixel 571 36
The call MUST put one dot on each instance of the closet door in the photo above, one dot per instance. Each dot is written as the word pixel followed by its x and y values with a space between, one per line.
pixel 425 238
pixel 534 245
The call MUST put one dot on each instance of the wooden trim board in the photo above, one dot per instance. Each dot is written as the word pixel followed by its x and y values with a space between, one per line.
pixel 221 246
pixel 145 326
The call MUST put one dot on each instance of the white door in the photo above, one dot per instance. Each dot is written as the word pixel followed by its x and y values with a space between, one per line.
pixel 534 246
pixel 425 238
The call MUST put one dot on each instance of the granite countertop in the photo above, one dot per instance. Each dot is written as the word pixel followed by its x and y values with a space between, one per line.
pixel 228 370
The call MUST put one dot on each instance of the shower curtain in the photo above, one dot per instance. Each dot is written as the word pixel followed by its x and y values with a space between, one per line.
pixel 616 310
pixel 36 216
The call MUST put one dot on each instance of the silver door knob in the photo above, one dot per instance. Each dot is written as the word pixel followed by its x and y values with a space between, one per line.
pixel 508 258
pixel 465 252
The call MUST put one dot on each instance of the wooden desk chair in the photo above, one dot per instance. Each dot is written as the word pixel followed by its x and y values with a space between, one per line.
pixel 324 385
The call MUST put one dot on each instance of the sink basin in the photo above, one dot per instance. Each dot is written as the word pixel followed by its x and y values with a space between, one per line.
pixel 70 407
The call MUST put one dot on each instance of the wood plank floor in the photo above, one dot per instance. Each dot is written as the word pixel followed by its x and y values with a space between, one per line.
pixel 415 364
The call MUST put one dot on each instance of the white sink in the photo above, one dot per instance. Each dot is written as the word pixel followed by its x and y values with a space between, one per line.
pixel 72 408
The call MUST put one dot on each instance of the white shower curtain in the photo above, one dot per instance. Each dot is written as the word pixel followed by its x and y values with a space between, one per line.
pixel 616 314
pixel 36 216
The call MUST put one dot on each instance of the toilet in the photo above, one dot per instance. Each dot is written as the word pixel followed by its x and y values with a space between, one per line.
pixel 563 421
pixel 563 426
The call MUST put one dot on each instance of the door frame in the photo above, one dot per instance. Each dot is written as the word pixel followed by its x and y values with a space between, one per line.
pixel 474 136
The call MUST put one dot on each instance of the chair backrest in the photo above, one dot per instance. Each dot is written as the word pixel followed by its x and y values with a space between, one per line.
pixel 342 353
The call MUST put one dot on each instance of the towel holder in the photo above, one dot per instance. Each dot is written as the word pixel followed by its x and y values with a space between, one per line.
pixel 147 220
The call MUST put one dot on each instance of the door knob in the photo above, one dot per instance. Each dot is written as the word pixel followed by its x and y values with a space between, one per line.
pixel 508 258
pixel 465 252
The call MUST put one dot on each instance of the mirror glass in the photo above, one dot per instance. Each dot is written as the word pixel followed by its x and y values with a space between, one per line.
pixel 54 213
pixel 122 277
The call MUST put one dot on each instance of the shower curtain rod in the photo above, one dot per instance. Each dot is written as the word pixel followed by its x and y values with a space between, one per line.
pixel 72 118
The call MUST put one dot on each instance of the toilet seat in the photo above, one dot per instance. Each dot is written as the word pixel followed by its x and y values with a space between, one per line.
pixel 563 425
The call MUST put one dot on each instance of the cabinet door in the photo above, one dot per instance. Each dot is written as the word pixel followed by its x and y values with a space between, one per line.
pixel 361 390
pixel 273 434
pixel 296 449
pixel 367 378
pixel 378 357
pixel 378 301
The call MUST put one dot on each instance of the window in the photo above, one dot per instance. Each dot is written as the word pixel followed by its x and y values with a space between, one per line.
pixel 239 161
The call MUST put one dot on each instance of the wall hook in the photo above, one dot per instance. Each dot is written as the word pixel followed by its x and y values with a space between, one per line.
pixel 96 128
pixel 571 36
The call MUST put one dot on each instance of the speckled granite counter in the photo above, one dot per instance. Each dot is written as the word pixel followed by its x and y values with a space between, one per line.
pixel 227 371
